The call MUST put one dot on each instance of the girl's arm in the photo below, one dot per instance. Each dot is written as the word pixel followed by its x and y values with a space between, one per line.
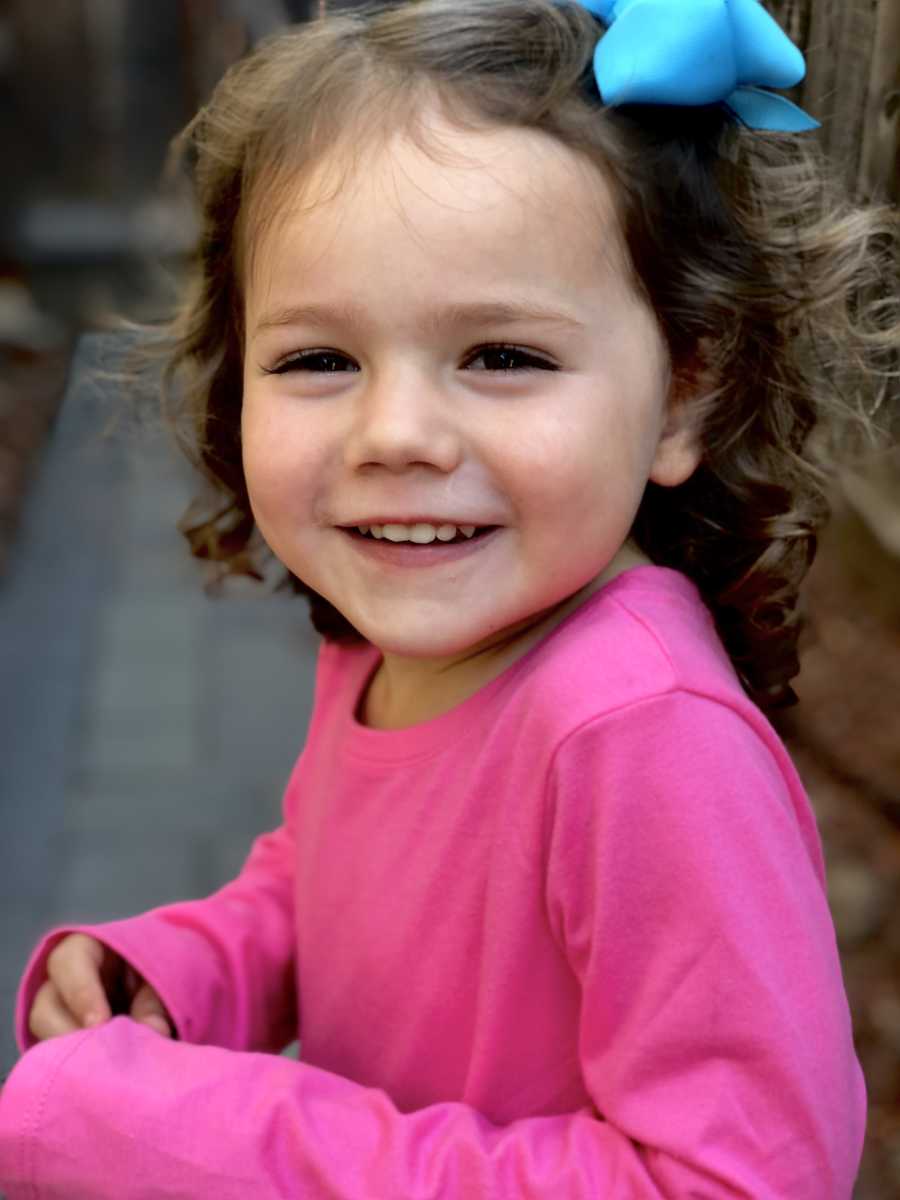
pixel 685 886
pixel 224 965
pixel 715 1029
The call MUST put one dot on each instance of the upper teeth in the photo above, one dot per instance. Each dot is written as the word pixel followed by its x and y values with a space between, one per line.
pixel 419 532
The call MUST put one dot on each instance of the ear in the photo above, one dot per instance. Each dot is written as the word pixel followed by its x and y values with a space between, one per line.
pixel 679 451
pixel 680 448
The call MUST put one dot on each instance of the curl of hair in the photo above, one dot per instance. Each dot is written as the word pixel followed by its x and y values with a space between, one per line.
pixel 776 295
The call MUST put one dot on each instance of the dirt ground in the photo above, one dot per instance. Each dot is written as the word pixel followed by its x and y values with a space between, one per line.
pixel 845 738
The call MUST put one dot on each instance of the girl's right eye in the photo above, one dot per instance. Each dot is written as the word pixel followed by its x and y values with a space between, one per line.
pixel 318 361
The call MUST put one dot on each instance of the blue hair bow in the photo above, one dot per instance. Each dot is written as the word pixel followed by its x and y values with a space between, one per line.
pixel 691 52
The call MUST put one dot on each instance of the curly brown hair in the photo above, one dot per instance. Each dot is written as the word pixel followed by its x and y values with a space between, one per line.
pixel 763 277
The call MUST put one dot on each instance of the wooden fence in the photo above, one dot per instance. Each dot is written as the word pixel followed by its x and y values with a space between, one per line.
pixel 852 85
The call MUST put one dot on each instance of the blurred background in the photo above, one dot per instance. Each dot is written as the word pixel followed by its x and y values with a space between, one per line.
pixel 148 716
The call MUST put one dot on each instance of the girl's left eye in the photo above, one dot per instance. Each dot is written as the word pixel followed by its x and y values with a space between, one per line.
pixel 506 359
pixel 318 361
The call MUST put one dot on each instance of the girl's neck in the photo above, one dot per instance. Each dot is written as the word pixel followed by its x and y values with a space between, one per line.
pixel 407 691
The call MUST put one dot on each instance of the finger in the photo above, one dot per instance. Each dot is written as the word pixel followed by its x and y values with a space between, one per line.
pixel 157 1023
pixel 74 967
pixel 149 1009
pixel 49 1017
pixel 132 981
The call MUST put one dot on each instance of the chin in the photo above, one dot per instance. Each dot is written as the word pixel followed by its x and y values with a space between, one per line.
pixel 434 640
pixel 408 644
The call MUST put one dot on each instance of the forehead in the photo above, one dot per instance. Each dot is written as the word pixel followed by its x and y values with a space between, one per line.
pixel 474 203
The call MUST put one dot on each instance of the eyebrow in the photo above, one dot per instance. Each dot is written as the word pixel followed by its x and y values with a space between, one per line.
pixel 499 312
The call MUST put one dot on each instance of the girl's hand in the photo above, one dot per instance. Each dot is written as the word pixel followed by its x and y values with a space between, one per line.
pixel 86 983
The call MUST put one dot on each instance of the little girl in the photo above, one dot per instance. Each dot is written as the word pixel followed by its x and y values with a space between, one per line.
pixel 512 353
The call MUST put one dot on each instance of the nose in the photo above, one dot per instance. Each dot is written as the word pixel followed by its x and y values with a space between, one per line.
pixel 402 419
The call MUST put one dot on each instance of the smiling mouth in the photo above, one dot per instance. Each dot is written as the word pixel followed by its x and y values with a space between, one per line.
pixel 419 534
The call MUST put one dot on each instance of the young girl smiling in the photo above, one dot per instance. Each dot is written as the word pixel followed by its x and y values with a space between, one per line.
pixel 516 374
pixel 534 445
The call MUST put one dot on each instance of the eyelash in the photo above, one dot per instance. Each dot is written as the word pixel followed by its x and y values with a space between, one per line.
pixel 528 361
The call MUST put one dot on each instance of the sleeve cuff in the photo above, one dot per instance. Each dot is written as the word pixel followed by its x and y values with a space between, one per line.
pixel 36 973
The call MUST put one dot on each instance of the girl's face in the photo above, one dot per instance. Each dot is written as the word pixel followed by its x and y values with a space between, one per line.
pixel 442 343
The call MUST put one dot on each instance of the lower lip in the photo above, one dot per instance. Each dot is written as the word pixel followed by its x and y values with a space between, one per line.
pixel 410 554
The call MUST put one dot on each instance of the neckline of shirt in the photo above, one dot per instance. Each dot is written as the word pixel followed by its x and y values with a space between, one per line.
pixel 426 738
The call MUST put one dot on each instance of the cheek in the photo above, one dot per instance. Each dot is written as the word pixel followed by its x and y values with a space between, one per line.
pixel 277 465
pixel 583 483
pixel 593 450
pixel 260 453
pixel 549 444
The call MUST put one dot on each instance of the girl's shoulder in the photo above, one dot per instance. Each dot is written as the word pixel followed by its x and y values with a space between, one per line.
pixel 653 724
pixel 639 671
pixel 644 634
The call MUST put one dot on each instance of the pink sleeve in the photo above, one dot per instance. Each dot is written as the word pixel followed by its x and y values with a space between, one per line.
pixel 686 886
pixel 120 1113
pixel 715 1039
pixel 224 965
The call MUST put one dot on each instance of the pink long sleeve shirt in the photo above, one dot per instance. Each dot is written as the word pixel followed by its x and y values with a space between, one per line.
pixel 569 940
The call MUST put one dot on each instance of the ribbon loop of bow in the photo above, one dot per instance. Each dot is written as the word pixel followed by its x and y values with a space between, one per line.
pixel 692 52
